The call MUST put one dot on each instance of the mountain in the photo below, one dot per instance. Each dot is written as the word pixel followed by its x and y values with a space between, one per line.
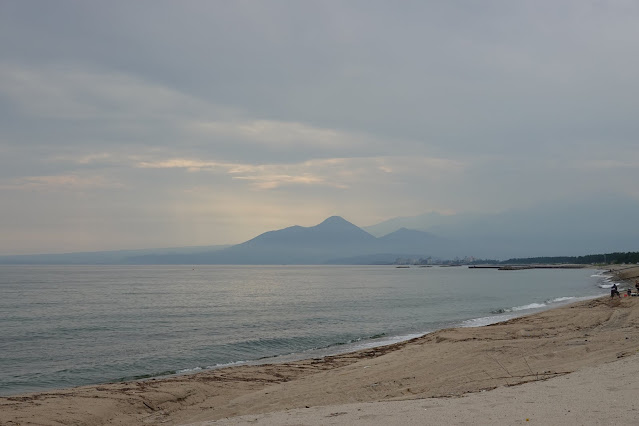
pixel 576 228
pixel 333 238
pixel 420 222
pixel 335 232
pixel 334 241
pixel 413 241
pixel 603 223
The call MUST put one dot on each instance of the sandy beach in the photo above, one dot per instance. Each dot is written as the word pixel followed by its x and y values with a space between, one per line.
pixel 577 364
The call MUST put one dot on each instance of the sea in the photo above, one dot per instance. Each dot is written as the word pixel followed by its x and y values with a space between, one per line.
pixel 66 326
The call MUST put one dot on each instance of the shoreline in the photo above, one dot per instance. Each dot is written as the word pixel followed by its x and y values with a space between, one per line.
pixel 498 314
pixel 379 336
pixel 444 363
pixel 372 343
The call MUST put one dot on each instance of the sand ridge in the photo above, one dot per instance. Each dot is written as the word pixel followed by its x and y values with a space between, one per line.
pixel 599 395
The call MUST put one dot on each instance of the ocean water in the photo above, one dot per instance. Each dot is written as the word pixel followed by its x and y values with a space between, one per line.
pixel 63 326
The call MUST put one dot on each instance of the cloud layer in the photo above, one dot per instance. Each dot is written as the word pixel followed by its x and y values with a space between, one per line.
pixel 148 124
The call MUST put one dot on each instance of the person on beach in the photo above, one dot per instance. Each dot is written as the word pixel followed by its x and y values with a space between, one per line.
pixel 637 285
pixel 614 290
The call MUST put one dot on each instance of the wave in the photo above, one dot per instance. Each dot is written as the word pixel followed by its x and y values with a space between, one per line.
pixel 359 339
pixel 189 370
pixel 387 341
pixel 545 304
pixel 145 376
pixel 498 314
pixel 211 367
pixel 607 282
pixel 562 299
pixel 519 308
pixel 529 306
pixel 373 341
pixel 376 340
pixel 483 321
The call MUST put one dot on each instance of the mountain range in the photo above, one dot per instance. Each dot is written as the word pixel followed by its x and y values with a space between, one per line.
pixel 602 224
pixel 332 241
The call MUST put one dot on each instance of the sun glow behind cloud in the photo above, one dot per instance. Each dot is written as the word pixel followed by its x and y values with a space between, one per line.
pixel 335 172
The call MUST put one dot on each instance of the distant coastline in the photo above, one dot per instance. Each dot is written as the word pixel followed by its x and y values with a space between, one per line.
pixel 336 241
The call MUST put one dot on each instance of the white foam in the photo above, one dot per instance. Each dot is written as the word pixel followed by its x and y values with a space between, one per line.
pixel 386 341
pixel 608 285
pixel 189 370
pixel 529 306
pixel 562 299
pixel 493 319
pixel 374 343
pixel 480 322
pixel 226 364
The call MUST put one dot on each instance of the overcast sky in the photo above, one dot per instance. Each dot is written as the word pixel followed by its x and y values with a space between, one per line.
pixel 140 124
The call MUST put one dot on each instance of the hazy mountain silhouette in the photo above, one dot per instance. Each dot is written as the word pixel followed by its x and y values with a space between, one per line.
pixel 420 222
pixel 334 232
pixel 413 241
pixel 601 224
pixel 333 238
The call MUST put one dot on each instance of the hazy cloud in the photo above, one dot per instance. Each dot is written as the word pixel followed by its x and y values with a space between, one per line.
pixel 336 172
pixel 204 122
pixel 61 182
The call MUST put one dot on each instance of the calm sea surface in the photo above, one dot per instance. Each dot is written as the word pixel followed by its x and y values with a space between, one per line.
pixel 63 326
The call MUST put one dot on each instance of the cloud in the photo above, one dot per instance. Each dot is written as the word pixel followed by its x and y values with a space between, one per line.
pixel 183 163
pixel 73 93
pixel 361 109
pixel 71 182
pixel 264 176
pixel 279 133
pixel 109 109
pixel 339 173
pixel 94 158
pixel 276 181
pixel 609 164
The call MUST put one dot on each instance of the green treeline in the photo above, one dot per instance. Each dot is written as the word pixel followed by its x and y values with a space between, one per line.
pixel 608 258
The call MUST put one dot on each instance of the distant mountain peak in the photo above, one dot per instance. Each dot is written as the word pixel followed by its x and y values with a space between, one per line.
pixel 403 233
pixel 335 220
pixel 335 233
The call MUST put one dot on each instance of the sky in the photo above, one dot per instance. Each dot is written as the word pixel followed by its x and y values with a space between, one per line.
pixel 152 124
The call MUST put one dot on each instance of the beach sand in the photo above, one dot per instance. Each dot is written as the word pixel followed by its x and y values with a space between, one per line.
pixel 602 395
pixel 576 364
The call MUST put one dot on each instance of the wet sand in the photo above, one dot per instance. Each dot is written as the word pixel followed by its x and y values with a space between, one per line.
pixel 444 370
